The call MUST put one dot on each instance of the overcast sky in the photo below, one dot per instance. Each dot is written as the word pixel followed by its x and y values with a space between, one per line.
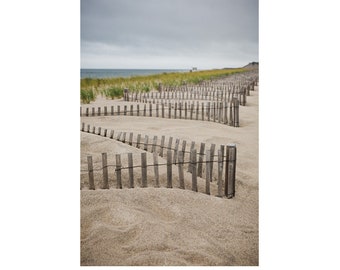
pixel 168 34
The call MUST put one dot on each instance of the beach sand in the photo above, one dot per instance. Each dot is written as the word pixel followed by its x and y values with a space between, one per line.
pixel 163 226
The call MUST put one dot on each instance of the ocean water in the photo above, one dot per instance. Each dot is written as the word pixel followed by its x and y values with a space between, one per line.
pixel 110 73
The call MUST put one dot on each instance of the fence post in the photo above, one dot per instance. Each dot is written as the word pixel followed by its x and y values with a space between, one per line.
pixel 144 171
pixel 169 169
pixel 157 110
pixel 88 128
pixel 105 110
pixel 99 130
pixel 130 164
pixel 202 111
pixel 82 126
pixel 105 171
pixel 125 109
pixel 207 172
pixel 220 169
pixel 194 171
pixel 93 111
pixel 105 132
pixel 230 171
pixel 131 110
pixel 99 112
pixel 118 171
pixel 118 110
pixel 90 168
pixel 180 169
pixel 112 110
pixel 87 112
pixel 155 163
pixel 137 109
pixel 162 109
pixel 93 129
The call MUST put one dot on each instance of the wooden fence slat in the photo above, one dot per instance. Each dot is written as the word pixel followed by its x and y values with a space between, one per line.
pixel 83 126
pixel 192 146
pixel 154 145
pixel 194 171
pixel 180 169
pixel 155 163
pixel 207 172
pixel 138 141
pixel 170 144
pixel 118 171
pixel 130 138
pixel 162 146
pixel 146 142
pixel 111 134
pixel 176 151
pixel 169 169
pixel 219 178
pixel 105 172
pixel 212 154
pixel 90 169
pixel 230 171
pixel 144 171
pixel 130 164
pixel 200 160
pixel 184 144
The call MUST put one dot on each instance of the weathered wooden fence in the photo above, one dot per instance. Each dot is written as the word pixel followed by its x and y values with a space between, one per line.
pixel 219 112
pixel 146 180
pixel 203 162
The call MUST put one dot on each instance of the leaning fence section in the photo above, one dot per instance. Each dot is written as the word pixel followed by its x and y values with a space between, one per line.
pixel 201 160
pixel 225 187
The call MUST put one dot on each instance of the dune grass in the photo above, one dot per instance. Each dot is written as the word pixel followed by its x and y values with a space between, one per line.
pixel 114 87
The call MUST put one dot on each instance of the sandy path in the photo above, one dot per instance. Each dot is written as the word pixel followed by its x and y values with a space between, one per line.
pixel 172 226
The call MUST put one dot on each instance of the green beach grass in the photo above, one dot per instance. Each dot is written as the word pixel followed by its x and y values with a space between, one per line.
pixel 114 87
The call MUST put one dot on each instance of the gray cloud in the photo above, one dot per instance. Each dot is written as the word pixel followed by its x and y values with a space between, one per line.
pixel 156 34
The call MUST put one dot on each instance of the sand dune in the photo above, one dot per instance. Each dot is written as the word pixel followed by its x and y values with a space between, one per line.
pixel 160 226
